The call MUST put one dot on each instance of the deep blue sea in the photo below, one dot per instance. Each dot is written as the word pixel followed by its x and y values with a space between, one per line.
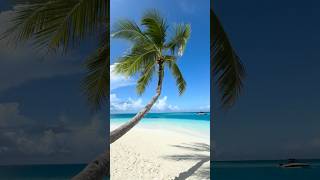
pixel 237 170
pixel 263 170
pixel 40 172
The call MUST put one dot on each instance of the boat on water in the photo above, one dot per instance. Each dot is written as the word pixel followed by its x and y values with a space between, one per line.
pixel 292 163
pixel 201 113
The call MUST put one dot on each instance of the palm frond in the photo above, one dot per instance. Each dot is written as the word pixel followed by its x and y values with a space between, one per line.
pixel 180 82
pixel 145 78
pixel 57 24
pixel 96 83
pixel 179 41
pixel 135 61
pixel 227 67
pixel 156 27
pixel 129 30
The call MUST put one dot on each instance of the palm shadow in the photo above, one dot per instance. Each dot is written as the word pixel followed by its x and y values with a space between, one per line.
pixel 195 148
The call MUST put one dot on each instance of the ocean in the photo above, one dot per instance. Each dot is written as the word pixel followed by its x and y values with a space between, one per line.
pixel 237 170
pixel 186 122
pixel 263 170
pixel 40 172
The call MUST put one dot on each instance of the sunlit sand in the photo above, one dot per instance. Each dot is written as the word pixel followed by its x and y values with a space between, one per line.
pixel 160 154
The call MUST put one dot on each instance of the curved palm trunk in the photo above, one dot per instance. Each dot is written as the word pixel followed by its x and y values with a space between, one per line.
pixel 97 169
pixel 100 167
pixel 123 129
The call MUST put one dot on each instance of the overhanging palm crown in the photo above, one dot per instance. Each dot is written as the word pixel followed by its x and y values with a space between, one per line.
pixel 54 25
pixel 151 48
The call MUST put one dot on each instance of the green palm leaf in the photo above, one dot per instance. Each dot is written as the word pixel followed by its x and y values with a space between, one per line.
pixel 97 80
pixel 96 83
pixel 227 67
pixel 136 61
pixel 129 30
pixel 156 27
pixel 145 77
pixel 55 24
pixel 178 42
pixel 180 82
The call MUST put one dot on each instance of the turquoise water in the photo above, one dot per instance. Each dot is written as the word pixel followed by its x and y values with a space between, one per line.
pixel 40 172
pixel 171 115
pixel 263 170
pixel 185 122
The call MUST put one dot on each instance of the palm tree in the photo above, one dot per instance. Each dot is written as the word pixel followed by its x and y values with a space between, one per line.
pixel 150 53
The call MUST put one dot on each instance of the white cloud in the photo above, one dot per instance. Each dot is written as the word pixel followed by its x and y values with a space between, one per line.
pixel 129 105
pixel 134 105
pixel 162 105
pixel 76 139
pixel 173 108
pixel 46 143
pixel 10 116
pixel 21 136
pixel 117 80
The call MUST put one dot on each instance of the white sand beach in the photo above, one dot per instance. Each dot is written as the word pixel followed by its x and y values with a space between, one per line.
pixel 156 154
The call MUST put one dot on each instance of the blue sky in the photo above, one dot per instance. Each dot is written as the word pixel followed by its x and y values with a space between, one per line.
pixel 277 116
pixel 194 64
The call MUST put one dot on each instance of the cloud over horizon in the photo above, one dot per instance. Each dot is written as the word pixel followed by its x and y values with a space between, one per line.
pixel 65 139
pixel 133 105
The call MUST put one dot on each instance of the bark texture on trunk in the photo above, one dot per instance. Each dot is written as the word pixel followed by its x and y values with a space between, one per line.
pixel 97 169
pixel 123 129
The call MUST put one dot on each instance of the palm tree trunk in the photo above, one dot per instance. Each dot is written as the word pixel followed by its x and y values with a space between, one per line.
pixel 123 129
pixel 100 167
pixel 97 169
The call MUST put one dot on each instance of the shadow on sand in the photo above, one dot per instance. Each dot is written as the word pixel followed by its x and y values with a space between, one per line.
pixel 203 173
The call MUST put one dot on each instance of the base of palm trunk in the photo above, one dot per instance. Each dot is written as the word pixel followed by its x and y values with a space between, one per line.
pixel 97 169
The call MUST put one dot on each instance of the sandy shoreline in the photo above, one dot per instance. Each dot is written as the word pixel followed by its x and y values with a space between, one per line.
pixel 155 154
